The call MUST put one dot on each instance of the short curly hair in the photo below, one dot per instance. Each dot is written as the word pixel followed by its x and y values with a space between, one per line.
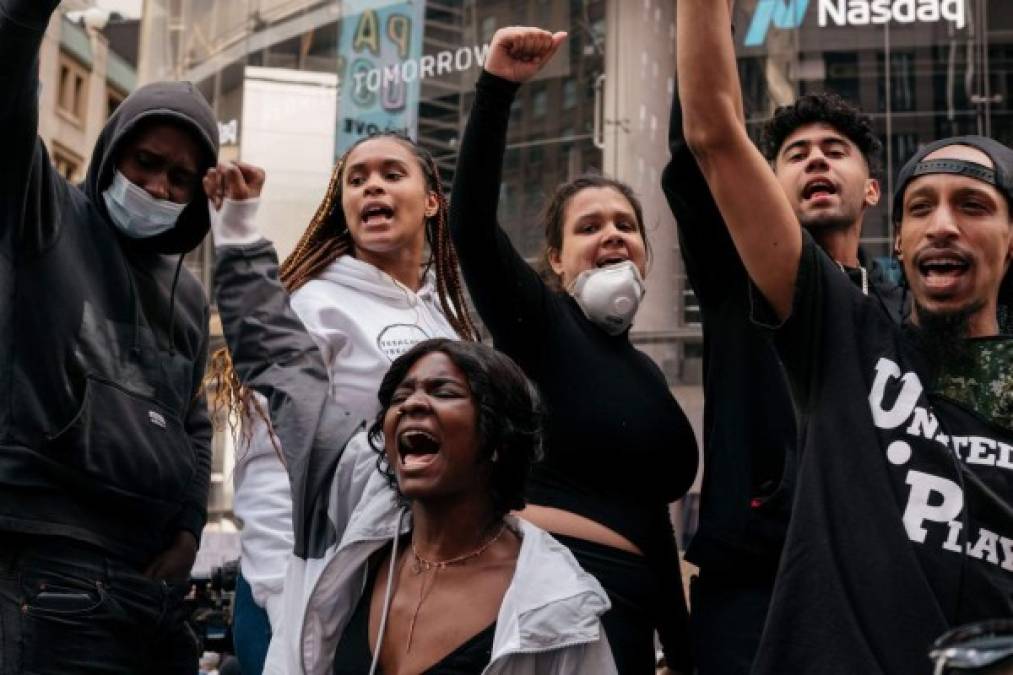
pixel 826 108
pixel 509 415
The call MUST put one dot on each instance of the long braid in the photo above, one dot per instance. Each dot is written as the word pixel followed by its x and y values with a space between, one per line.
pixel 229 396
pixel 448 276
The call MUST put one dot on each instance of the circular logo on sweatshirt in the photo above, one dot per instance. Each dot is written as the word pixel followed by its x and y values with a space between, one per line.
pixel 397 338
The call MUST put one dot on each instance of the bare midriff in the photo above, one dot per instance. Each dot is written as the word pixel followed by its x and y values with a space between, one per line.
pixel 569 524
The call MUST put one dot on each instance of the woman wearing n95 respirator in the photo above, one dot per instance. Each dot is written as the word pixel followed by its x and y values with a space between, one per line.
pixel 618 447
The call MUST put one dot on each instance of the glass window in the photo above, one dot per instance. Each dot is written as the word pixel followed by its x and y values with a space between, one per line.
pixel 72 98
pixel 67 162
pixel 536 154
pixel 569 94
pixel 540 102
pixel 488 28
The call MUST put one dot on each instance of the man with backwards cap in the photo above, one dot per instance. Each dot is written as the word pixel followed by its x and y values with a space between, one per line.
pixel 104 440
pixel 902 525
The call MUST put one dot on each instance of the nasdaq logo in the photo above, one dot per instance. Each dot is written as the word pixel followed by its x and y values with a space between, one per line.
pixel 788 14
pixel 783 14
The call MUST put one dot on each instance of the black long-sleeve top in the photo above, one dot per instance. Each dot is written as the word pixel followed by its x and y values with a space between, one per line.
pixel 749 418
pixel 618 446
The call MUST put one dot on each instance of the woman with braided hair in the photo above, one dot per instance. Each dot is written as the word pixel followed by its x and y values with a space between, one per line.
pixel 366 291
pixel 365 228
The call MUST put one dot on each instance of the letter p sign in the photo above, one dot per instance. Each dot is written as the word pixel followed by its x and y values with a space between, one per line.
pixel 933 499
pixel 781 13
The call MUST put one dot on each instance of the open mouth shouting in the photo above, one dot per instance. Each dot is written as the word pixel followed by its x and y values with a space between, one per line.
pixel 376 213
pixel 611 259
pixel 818 189
pixel 416 448
pixel 942 270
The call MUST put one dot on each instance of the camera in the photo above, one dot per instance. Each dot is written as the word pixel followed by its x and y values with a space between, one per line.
pixel 209 607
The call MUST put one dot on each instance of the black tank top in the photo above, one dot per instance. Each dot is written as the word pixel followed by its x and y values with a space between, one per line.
pixel 353 656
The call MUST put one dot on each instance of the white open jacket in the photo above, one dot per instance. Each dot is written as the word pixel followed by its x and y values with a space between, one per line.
pixel 343 509
pixel 549 621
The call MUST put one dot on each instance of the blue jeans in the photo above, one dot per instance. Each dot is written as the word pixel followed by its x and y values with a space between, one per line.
pixel 251 630
pixel 66 607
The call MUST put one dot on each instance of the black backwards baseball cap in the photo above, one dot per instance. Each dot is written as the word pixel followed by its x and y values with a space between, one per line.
pixel 1001 178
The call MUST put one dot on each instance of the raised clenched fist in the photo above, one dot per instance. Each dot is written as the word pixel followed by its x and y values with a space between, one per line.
pixel 233 180
pixel 517 53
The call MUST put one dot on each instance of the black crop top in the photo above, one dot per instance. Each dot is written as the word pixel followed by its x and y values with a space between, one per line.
pixel 353 656
pixel 618 446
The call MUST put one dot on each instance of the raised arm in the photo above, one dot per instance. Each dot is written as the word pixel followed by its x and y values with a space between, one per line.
pixel 27 181
pixel 274 354
pixel 759 218
pixel 712 263
pixel 507 293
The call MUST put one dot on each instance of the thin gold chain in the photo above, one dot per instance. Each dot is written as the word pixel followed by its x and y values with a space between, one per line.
pixel 421 565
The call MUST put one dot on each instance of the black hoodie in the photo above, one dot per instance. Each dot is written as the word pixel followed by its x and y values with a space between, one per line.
pixel 104 436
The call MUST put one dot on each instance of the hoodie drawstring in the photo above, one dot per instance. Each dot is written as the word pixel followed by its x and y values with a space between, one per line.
pixel 135 303
pixel 388 593
pixel 172 305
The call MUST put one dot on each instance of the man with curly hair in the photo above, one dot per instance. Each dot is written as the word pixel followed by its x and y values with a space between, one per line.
pixel 826 158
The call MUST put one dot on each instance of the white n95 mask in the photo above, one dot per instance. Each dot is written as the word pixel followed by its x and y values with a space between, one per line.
pixel 609 296
pixel 136 213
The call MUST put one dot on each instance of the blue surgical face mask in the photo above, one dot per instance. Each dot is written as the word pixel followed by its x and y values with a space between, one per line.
pixel 135 212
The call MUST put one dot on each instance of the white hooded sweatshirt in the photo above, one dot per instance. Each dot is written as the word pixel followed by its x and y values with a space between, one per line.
pixel 361 318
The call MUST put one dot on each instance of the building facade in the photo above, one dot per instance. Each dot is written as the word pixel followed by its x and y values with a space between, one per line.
pixel 83 80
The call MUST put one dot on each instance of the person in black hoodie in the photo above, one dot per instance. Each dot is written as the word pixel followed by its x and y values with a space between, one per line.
pixel 820 141
pixel 104 436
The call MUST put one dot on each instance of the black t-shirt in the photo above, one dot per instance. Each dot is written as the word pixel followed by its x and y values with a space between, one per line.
pixel 749 418
pixel 618 447
pixel 872 571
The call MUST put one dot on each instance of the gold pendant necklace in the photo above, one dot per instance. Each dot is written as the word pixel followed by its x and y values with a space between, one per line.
pixel 420 565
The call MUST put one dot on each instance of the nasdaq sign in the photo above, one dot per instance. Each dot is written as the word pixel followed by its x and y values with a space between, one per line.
pixel 788 14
